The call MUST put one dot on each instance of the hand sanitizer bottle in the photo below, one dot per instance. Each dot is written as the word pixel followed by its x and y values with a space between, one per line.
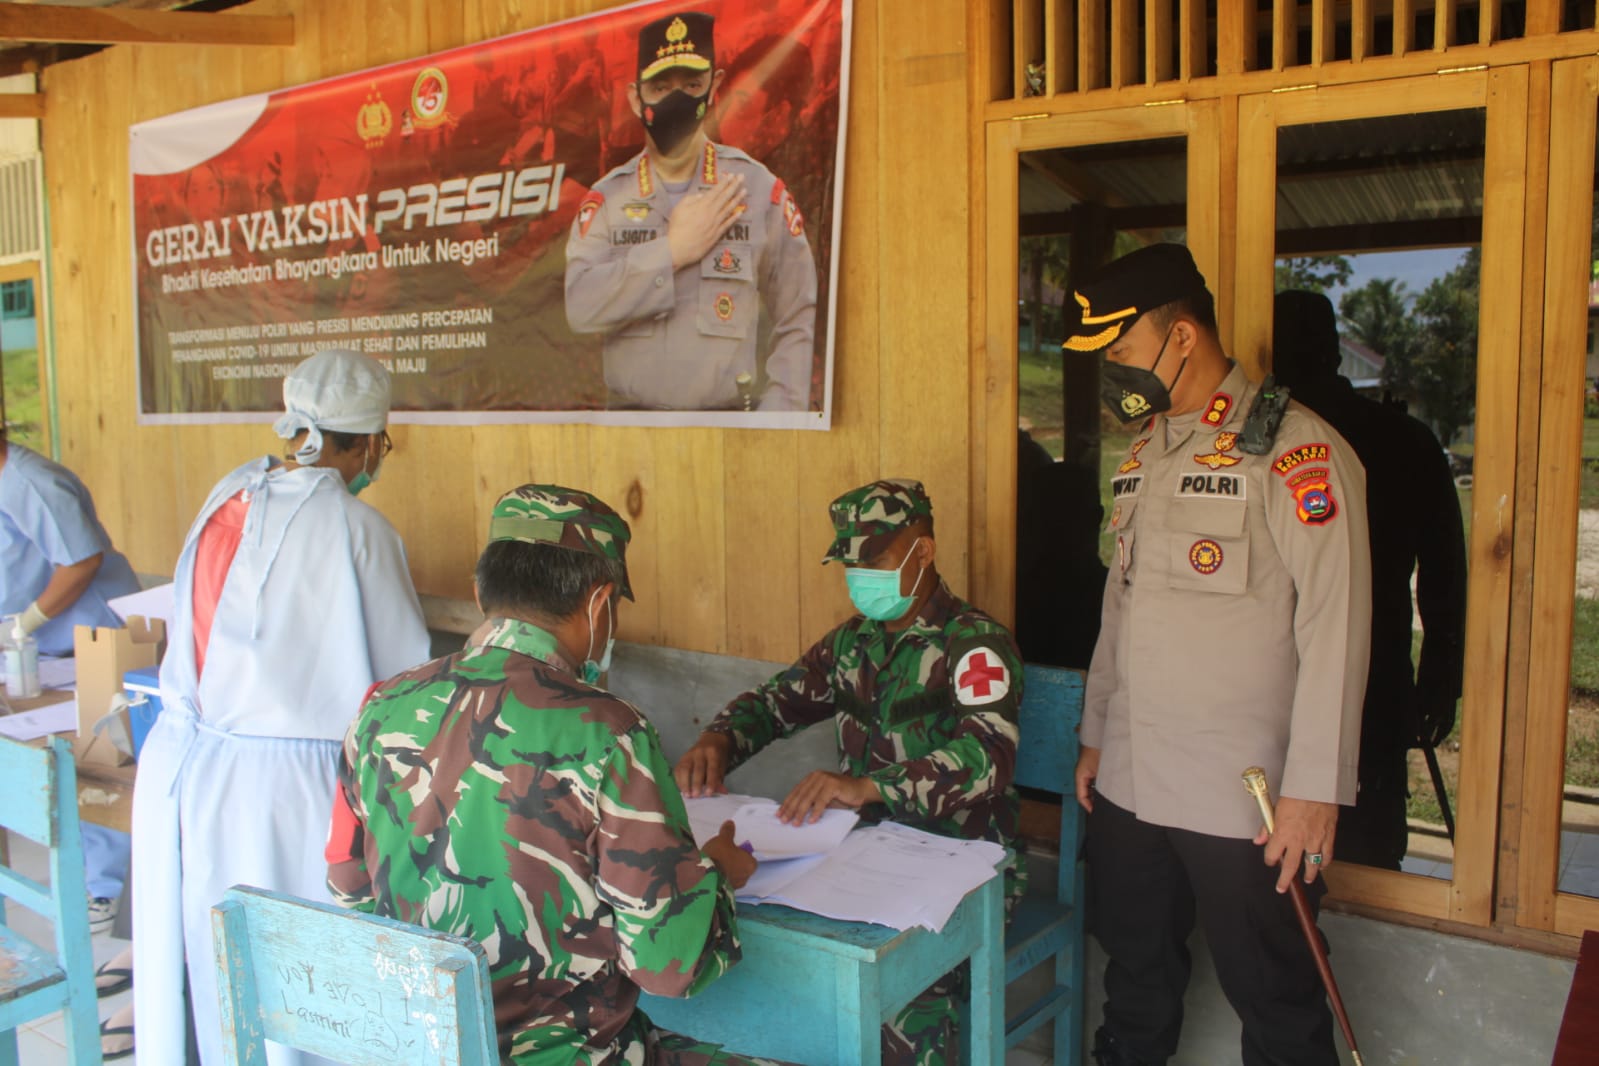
pixel 22 664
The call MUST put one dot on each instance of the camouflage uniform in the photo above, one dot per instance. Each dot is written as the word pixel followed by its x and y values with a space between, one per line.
pixel 492 794
pixel 928 713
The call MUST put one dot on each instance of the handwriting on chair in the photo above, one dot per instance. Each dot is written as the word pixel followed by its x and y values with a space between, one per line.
pixel 393 1011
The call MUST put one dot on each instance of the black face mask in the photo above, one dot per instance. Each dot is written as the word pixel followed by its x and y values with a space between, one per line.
pixel 674 118
pixel 1132 392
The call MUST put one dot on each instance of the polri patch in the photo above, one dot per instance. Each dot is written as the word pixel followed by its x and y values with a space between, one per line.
pixel 1205 556
pixel 1316 505
pixel 1305 453
pixel 587 210
pixel 724 306
pixel 981 677
pixel 1218 486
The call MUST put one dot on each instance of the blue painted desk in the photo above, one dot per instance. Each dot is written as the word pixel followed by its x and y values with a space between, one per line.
pixel 816 991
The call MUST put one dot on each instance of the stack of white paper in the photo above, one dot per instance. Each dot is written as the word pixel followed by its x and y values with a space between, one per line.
pixel 755 823
pixel 889 874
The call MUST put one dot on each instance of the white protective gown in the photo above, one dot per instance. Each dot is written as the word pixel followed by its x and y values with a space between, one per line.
pixel 235 781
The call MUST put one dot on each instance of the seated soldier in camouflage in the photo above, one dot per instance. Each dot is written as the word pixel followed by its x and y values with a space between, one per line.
pixel 923 689
pixel 498 794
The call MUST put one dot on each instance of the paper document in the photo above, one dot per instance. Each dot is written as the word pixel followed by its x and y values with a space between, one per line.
pixel 892 875
pixel 755 822
pixel 31 725
pixel 57 672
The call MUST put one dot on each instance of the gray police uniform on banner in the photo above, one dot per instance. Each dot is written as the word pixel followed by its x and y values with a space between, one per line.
pixel 1236 619
pixel 680 341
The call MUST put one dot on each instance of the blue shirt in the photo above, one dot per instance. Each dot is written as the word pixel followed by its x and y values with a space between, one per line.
pixel 47 520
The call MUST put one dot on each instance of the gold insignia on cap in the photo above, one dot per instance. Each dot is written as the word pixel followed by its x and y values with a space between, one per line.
pixel 677 30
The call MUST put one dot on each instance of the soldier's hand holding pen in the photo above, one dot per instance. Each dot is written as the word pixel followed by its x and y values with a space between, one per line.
pixel 700 218
pixel 736 863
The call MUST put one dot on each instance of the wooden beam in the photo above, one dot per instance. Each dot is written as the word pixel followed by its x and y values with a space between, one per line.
pixel 21 105
pixel 1060 48
pixel 1284 34
pixel 1443 25
pixel 1193 30
pixel 1123 43
pixel 83 25
pixel 1157 41
pixel 1323 32
pixel 1362 30
pixel 1404 27
pixel 1380 236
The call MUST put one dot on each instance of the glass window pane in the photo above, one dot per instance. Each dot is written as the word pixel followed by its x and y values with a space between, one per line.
pixel 1383 218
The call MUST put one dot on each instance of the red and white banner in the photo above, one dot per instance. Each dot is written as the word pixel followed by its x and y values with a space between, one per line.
pixel 492 224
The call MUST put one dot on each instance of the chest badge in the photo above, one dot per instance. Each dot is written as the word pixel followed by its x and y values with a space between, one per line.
pixel 1205 556
pixel 637 211
pixel 981 677
pixel 1132 462
pixel 724 306
pixel 725 262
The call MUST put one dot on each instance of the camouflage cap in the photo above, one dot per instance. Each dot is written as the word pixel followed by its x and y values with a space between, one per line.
pixel 866 519
pixel 568 518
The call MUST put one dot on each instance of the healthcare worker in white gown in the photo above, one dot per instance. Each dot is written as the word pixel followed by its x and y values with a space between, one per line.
pixel 293 599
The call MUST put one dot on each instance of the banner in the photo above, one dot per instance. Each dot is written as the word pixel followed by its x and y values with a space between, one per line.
pixel 629 218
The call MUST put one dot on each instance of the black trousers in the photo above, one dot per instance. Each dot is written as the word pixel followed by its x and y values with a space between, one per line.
pixel 1146 883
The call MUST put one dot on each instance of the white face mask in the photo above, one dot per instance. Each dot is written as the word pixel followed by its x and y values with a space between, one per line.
pixel 591 669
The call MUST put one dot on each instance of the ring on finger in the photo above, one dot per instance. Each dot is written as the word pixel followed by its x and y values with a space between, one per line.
pixel 1314 858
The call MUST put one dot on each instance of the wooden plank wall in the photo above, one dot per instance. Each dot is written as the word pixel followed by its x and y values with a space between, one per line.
pixel 729 526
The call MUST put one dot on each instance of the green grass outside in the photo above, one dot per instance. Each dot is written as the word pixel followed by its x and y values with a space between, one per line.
pixel 25 424
pixel 1589 492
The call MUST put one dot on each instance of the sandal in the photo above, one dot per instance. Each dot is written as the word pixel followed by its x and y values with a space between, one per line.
pixel 115 975
pixel 116 1041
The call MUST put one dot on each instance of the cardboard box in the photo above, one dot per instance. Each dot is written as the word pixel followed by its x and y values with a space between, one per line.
pixel 103 656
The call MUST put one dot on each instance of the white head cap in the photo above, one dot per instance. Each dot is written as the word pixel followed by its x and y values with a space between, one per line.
pixel 335 389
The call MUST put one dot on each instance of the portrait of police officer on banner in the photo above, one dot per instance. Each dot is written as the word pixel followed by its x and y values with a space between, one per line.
pixel 691 259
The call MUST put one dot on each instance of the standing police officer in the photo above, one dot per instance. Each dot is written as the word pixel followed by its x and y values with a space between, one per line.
pixel 1234 633
pixel 675 255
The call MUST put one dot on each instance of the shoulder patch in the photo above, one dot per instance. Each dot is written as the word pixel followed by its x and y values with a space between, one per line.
pixel 980 677
pixel 587 209
pixel 1305 453
pixel 1314 503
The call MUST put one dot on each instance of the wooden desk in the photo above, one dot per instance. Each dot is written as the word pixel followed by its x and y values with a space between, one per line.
pixel 816 991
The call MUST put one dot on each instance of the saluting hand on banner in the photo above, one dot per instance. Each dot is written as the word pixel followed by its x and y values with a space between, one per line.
pixel 699 220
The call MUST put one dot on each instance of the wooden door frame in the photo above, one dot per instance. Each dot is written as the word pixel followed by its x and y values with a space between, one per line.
pixel 1502 93
pixel 1574 103
pixel 995 382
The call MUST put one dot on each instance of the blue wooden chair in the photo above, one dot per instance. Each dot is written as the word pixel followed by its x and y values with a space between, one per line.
pixel 42 804
pixel 1048 922
pixel 354 988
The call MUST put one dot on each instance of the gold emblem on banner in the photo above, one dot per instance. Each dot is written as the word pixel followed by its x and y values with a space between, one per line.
pixel 677 30
pixel 374 121
pixel 430 95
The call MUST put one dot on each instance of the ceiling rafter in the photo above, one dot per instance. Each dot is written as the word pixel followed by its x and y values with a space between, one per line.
pixel 51 24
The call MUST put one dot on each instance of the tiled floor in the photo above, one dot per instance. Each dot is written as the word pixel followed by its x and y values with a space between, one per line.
pixel 1579 863
pixel 42 1043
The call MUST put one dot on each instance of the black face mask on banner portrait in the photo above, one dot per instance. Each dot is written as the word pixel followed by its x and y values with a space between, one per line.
pixel 674 118
pixel 1131 392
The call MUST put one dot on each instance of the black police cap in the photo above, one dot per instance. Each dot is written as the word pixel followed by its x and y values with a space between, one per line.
pixel 1139 281
pixel 683 40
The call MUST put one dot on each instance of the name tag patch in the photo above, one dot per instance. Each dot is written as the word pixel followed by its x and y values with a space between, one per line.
pixel 1126 485
pixel 1214 486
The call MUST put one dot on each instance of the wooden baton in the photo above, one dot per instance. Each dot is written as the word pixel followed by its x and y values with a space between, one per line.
pixel 1255 782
